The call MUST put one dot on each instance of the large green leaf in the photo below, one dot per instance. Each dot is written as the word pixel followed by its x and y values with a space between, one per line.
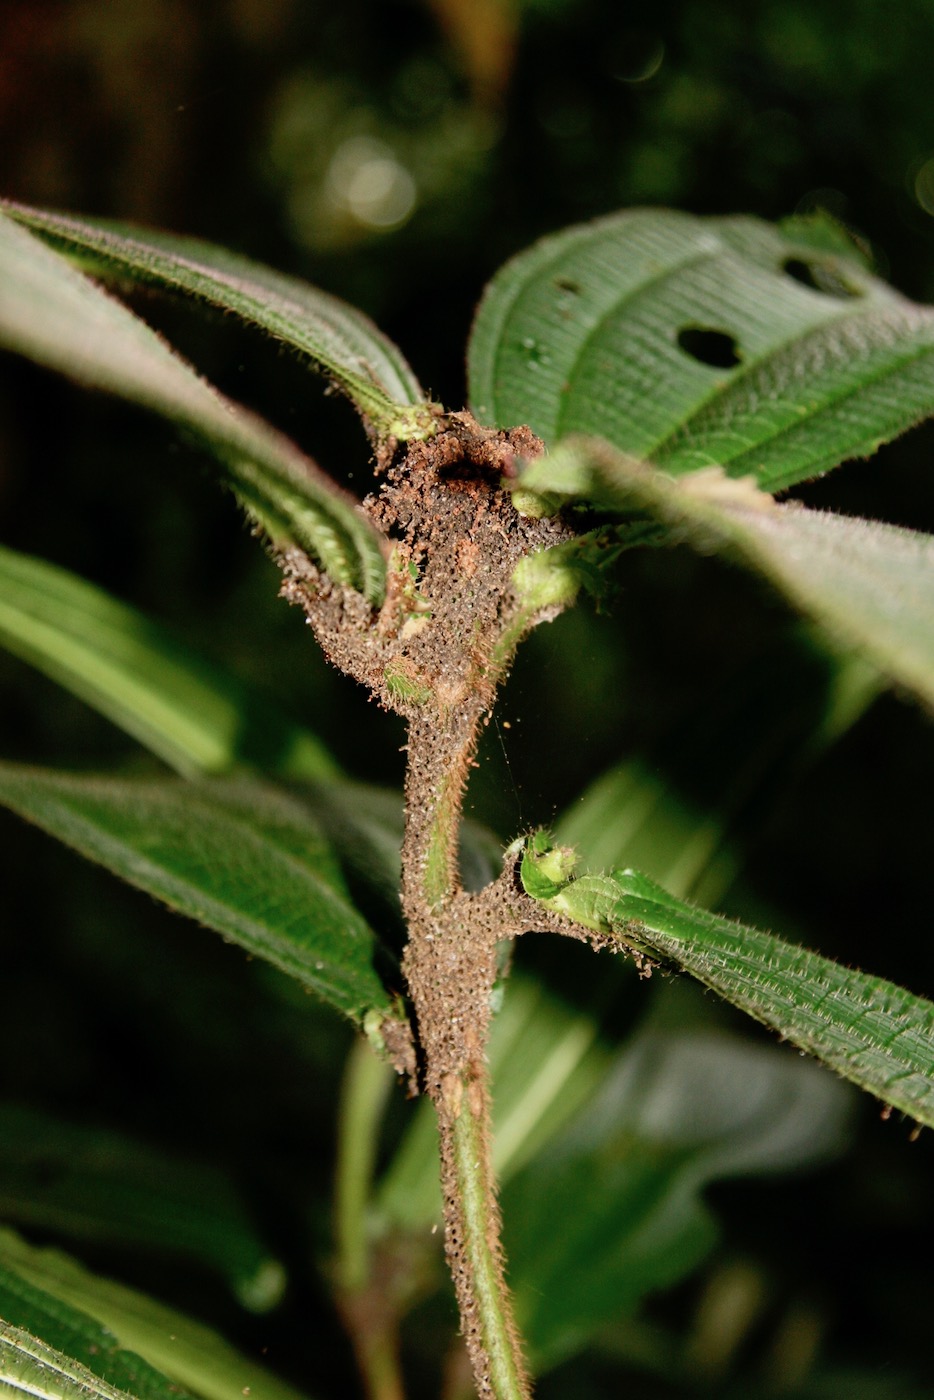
pixel 689 342
pixel 870 1031
pixel 55 315
pixel 613 1209
pixel 94 1185
pixel 369 368
pixel 195 716
pixel 870 585
pixel 104 1340
pixel 244 858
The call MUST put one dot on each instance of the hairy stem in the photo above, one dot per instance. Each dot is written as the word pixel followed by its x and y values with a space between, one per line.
pixel 453 616
pixel 450 964
pixel 481 1225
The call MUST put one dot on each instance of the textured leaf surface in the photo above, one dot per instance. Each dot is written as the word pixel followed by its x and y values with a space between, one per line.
pixel 369 368
pixel 691 342
pixel 53 314
pixel 102 1187
pixel 202 720
pixel 870 1031
pixel 613 1210
pixel 870 585
pixel 241 857
pixel 100 1338
pixel 195 716
pixel 29 1366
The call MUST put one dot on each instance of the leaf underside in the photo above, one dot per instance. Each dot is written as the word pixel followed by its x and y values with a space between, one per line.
pixel 613 1210
pixel 694 342
pixel 869 585
pixel 90 1184
pixel 348 347
pixel 51 313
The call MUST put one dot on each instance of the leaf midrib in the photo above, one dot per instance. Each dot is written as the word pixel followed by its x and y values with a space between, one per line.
pixel 277 310
pixel 829 403
pixel 854 309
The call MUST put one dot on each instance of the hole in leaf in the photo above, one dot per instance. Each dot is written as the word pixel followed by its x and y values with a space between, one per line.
pixel 715 348
pixel 567 284
pixel 820 277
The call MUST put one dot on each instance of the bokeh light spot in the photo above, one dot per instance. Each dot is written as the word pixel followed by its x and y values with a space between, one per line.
pixel 366 178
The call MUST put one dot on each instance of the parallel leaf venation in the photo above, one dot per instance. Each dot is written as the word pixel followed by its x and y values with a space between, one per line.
pixel 338 338
pixel 583 334
pixel 55 315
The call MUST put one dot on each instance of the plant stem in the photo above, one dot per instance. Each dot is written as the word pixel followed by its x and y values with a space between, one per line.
pixel 450 965
pixel 367 1081
pixel 439 664
pixel 481 1224
pixel 367 1306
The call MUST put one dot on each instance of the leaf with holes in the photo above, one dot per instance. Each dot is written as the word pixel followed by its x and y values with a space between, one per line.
pixel 687 342
pixel 56 316
pixel 365 364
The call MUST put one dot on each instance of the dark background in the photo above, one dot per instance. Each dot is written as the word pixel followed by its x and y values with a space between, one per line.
pixel 396 154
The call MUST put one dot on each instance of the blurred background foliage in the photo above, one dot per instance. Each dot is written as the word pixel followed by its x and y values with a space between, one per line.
pixel 395 152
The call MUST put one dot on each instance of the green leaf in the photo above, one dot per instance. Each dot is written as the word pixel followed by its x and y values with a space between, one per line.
pixel 363 362
pixel 56 316
pixel 109 1341
pixel 870 1031
pixel 203 720
pixel 691 342
pixel 244 858
pixel 29 1367
pixel 99 1186
pixel 195 716
pixel 613 1210
pixel 870 585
